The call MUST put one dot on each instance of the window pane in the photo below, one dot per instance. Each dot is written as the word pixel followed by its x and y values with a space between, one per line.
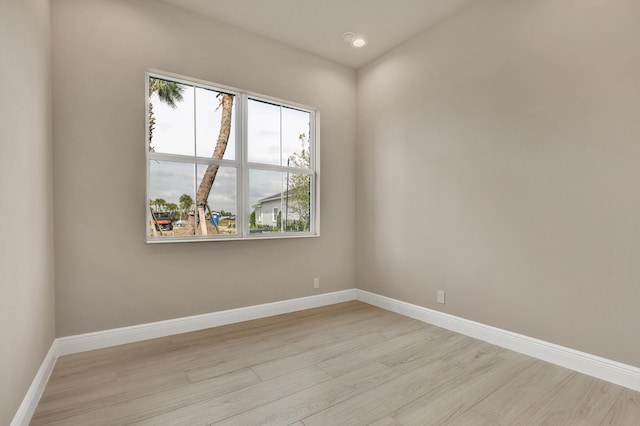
pixel 297 203
pixel 271 209
pixel 295 138
pixel 265 196
pixel 221 206
pixel 171 189
pixel 171 117
pixel 263 132
pixel 208 122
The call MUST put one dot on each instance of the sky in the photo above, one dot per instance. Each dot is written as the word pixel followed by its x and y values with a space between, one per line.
pixel 193 128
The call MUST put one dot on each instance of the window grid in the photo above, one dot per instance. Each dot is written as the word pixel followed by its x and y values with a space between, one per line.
pixel 242 166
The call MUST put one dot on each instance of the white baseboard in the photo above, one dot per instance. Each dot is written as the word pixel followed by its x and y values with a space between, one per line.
pixel 592 365
pixel 30 402
pixel 136 333
pixel 602 368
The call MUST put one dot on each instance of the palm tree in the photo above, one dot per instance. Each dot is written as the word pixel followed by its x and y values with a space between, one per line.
pixel 185 204
pixel 172 208
pixel 168 92
pixel 209 176
pixel 160 203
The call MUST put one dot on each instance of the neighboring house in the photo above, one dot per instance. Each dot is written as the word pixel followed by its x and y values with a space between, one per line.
pixel 267 210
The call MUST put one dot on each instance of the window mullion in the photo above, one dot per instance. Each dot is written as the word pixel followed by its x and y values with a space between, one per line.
pixel 283 169
pixel 244 143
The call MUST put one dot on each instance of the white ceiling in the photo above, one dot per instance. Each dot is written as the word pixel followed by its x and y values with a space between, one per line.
pixel 317 25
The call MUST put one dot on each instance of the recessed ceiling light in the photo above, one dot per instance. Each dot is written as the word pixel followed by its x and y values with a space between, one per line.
pixel 359 42
pixel 354 40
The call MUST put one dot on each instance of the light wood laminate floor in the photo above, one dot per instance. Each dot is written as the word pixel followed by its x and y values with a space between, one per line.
pixel 345 364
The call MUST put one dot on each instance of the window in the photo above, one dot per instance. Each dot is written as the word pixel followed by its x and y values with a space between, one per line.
pixel 223 164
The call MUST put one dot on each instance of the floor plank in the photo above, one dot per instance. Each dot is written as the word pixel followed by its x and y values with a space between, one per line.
pixel 585 401
pixel 312 400
pixel 625 411
pixel 237 402
pixel 148 404
pixel 534 386
pixel 457 396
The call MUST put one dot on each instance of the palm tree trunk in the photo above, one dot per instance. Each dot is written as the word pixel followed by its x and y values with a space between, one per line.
pixel 152 125
pixel 212 170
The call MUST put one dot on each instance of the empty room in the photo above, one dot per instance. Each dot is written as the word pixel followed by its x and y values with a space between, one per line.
pixel 320 212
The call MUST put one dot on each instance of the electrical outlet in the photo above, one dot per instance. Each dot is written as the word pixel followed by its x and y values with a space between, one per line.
pixel 441 295
pixel 316 283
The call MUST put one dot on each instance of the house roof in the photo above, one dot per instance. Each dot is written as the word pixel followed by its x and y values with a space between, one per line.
pixel 273 197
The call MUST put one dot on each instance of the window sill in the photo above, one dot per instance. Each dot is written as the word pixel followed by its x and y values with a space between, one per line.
pixel 254 237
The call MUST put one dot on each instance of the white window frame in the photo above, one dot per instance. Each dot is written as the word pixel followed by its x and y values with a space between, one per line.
pixel 241 163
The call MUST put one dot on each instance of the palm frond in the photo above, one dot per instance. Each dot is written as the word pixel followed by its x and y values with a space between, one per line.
pixel 168 92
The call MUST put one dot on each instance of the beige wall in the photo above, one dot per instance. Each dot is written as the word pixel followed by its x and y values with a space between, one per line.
pixel 106 276
pixel 26 246
pixel 499 160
